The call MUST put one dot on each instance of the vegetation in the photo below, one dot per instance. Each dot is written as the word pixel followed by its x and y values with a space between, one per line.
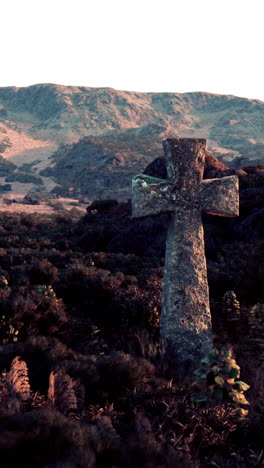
pixel 218 379
pixel 85 380
pixel 230 306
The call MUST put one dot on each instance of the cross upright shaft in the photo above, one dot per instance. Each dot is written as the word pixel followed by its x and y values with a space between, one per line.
pixel 185 286
pixel 185 321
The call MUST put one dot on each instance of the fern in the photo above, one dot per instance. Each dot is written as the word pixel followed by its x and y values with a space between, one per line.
pixel 18 379
pixel 10 404
pixel 103 434
pixel 79 391
pixel 61 392
pixel 142 425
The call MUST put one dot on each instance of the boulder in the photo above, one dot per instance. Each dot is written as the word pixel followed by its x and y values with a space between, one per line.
pixel 212 169
pixel 102 206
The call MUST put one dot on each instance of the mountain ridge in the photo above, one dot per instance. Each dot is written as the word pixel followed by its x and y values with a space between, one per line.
pixel 128 126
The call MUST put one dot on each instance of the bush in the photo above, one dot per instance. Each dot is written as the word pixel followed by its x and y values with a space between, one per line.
pixel 42 272
pixel 38 313
pixel 102 206
pixel 218 380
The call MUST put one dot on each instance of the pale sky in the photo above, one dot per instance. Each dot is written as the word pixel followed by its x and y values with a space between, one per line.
pixel 140 45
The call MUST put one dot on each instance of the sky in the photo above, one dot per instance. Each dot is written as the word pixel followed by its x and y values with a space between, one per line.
pixel 141 45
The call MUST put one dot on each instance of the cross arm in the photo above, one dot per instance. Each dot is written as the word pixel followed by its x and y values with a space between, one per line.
pixel 152 196
pixel 220 196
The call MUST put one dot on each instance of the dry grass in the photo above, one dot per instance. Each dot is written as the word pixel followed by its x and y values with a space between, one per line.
pixel 44 207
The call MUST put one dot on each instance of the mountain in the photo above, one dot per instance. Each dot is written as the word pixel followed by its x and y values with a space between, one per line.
pixel 91 141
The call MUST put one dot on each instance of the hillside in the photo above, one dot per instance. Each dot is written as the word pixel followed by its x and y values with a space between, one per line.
pixel 93 140
pixel 85 380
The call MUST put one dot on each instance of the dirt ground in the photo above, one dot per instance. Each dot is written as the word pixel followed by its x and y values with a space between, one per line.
pixel 27 150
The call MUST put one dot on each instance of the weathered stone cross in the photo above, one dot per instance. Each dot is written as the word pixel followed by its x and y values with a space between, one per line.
pixel 185 318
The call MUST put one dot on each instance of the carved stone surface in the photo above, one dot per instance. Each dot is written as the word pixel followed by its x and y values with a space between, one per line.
pixel 185 319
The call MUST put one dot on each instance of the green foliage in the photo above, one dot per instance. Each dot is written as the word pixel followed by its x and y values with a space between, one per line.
pixel 230 306
pixel 218 379
pixel 8 333
pixel 43 290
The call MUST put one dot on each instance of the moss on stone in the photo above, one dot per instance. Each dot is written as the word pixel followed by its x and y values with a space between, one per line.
pixel 149 179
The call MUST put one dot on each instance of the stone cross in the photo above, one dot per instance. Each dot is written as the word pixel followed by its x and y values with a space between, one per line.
pixel 185 322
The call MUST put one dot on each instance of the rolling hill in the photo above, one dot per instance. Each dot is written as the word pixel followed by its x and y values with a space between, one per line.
pixel 91 141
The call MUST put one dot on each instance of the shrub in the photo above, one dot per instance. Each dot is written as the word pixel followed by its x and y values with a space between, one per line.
pixel 42 272
pixel 218 379
pixel 57 206
pixel 92 290
pixel 102 206
pixel 8 333
pixel 230 306
pixel 140 306
pixel 39 312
